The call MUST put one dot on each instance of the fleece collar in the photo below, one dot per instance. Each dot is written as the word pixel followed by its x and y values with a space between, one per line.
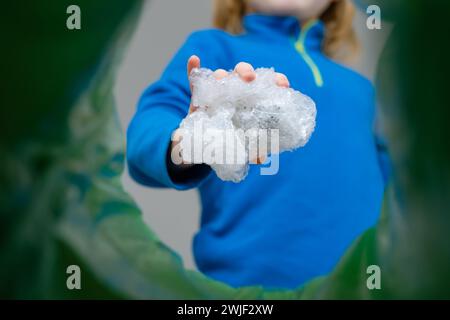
pixel 285 27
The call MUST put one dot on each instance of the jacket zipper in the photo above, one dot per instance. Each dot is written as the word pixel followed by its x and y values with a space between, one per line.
pixel 300 47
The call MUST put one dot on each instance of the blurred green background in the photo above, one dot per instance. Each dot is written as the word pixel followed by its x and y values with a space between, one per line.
pixel 62 153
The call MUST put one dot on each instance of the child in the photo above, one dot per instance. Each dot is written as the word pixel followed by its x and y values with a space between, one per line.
pixel 284 229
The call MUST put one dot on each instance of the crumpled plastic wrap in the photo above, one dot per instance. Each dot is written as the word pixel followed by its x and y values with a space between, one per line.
pixel 246 110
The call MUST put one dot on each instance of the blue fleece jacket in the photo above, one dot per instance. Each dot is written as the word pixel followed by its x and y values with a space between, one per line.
pixel 284 229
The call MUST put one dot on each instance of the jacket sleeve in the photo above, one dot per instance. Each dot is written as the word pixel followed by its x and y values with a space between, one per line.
pixel 160 110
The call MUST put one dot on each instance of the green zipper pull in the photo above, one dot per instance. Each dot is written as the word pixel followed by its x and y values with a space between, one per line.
pixel 300 47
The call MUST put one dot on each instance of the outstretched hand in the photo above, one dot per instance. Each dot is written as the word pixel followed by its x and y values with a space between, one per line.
pixel 245 71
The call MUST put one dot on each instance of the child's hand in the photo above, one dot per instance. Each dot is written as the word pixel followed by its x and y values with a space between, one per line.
pixel 247 74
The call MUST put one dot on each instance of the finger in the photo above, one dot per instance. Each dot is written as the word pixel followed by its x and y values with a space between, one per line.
pixel 258 160
pixel 220 74
pixel 245 71
pixel 177 136
pixel 193 62
pixel 261 160
pixel 192 108
pixel 282 80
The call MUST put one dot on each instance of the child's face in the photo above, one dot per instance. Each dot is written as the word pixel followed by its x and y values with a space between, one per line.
pixel 303 9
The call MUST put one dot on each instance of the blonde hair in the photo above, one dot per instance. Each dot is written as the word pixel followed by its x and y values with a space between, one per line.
pixel 340 40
